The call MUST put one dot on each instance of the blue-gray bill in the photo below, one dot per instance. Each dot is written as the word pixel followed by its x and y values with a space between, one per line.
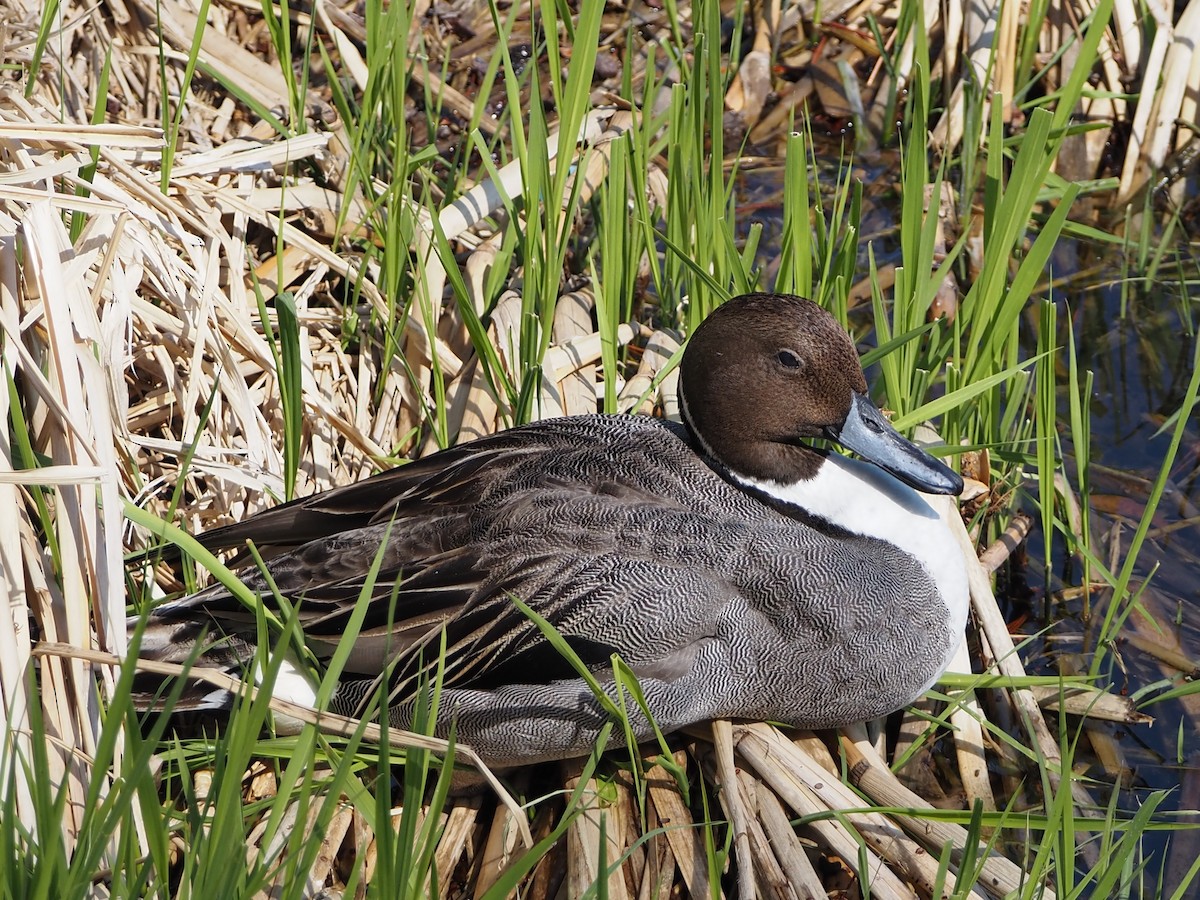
pixel 872 437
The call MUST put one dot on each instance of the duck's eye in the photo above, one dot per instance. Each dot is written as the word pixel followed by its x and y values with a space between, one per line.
pixel 788 359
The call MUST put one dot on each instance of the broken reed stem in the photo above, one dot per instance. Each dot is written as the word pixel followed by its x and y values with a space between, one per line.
pixel 499 847
pixel 808 789
pixel 460 824
pixel 767 870
pixel 872 775
pixel 966 720
pixel 1003 547
pixel 684 839
pixel 795 862
pixel 594 835
pixel 730 796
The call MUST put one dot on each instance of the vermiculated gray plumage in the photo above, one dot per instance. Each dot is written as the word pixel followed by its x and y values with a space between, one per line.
pixel 618 530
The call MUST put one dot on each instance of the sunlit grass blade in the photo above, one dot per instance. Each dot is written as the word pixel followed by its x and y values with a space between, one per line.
pixel 1045 420
pixel 796 251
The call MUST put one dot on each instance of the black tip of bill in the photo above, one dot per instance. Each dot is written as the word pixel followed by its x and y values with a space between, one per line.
pixel 872 437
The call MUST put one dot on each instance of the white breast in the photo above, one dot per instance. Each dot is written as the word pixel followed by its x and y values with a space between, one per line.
pixel 863 499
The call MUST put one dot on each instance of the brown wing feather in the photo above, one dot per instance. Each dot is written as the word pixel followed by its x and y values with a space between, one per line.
pixel 444 480
pixel 461 531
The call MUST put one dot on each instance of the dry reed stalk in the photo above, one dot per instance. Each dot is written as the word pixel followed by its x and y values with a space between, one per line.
pixel 251 156
pixel 340 27
pixel 574 353
pixel 1172 655
pixel 487 197
pixel 914 744
pixel 946 65
pixel 549 877
pixel 482 410
pixel 1100 107
pixel 903 63
pixel 681 833
pixel 229 201
pixel 980 28
pixel 62 354
pixel 1110 754
pixel 658 351
pixel 442 817
pixel 1189 107
pixel 1134 170
pixel 475 272
pixel 274 849
pixel 966 717
pixel 749 89
pixel 1127 32
pixel 202 782
pixel 595 156
pixel 966 720
pixel 499 847
pixel 945 300
pixel 335 834
pixel 472 208
pixel 595 834
pixel 881 834
pixel 731 799
pixel 668 393
pixel 69 136
pixel 1004 59
pixel 792 94
pixel 767 870
pixel 658 876
pixel 370 854
pixel 1009 764
pixel 1001 876
pixel 484 200
pixel 1093 702
pixel 1179 76
pixel 998 643
pixel 460 826
pixel 788 850
pixel 810 791
pixel 363 836
pixel 833 74
pixel 994 556
pixel 15 645
pixel 876 731
pixel 633 848
pixel 177 25
pixel 577 385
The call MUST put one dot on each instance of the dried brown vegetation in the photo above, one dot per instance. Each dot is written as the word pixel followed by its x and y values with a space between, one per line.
pixel 149 215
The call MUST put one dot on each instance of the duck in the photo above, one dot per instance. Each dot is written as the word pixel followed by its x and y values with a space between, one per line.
pixel 737 564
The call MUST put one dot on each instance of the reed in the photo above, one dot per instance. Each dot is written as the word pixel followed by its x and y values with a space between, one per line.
pixel 290 247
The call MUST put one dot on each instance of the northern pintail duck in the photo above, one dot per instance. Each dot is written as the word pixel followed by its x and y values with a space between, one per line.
pixel 740 571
